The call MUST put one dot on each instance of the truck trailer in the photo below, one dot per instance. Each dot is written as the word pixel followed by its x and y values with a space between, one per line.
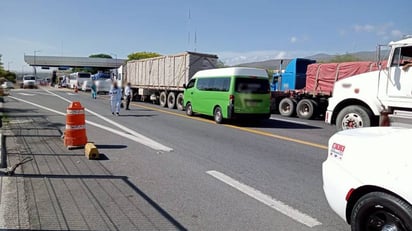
pixel 161 79
pixel 305 86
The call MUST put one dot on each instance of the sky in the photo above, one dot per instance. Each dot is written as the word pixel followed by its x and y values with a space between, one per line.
pixel 238 31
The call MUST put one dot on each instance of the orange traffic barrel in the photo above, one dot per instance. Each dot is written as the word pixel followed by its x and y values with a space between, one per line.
pixel 75 133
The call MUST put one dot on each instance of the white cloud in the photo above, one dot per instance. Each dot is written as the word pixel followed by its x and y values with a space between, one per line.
pixel 384 31
pixel 396 33
pixel 234 58
pixel 293 39
pixel 364 28
pixel 342 32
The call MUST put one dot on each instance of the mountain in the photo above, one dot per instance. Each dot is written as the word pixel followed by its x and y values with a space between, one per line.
pixel 268 64
pixel 321 57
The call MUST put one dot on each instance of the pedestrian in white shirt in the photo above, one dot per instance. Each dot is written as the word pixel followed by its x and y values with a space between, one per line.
pixel 128 93
pixel 115 98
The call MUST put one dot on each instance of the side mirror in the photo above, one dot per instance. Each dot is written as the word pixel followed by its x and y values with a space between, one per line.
pixel 184 86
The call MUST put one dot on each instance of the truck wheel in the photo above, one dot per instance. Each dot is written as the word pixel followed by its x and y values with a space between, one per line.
pixel 171 100
pixel 381 211
pixel 306 109
pixel 354 116
pixel 189 109
pixel 163 99
pixel 287 107
pixel 217 115
pixel 179 102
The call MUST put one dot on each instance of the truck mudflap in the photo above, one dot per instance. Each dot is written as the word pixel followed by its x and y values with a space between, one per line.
pixel 328 117
pixel 230 111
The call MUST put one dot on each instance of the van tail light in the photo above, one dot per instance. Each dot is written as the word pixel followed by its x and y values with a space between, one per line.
pixel 232 99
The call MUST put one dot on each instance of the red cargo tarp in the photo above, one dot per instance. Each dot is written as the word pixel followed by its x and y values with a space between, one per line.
pixel 320 77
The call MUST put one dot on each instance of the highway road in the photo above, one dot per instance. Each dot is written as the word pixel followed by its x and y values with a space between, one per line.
pixel 234 176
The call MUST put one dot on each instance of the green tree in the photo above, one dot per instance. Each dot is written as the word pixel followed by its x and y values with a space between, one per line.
pixel 142 55
pixel 104 56
pixel 6 75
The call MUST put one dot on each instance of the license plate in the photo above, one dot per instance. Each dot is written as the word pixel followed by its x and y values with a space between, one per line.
pixel 252 104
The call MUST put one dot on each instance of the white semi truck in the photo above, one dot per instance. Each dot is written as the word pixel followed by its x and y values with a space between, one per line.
pixel 382 97
pixel 161 79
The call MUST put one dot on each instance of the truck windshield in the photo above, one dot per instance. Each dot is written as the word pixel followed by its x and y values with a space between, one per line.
pixel 252 85
pixel 84 75
pixel 29 78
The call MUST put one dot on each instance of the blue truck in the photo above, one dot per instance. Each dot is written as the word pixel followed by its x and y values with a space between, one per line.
pixel 305 86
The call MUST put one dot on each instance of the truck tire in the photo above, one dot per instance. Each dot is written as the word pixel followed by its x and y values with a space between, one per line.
pixel 381 211
pixel 287 107
pixel 306 109
pixel 354 116
pixel 163 99
pixel 171 100
pixel 179 102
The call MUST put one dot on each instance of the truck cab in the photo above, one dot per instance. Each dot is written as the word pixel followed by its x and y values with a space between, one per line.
pixel 381 97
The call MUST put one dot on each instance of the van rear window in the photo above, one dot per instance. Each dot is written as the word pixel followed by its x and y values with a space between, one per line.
pixel 251 85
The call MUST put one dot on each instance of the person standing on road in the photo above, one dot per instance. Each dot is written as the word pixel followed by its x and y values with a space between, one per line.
pixel 93 90
pixel 115 98
pixel 128 93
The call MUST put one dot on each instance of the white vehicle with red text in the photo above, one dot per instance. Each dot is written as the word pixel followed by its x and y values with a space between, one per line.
pixel 377 97
pixel 367 178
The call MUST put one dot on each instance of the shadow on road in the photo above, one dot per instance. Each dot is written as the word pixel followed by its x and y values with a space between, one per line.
pixel 273 124
pixel 97 185
pixel 110 146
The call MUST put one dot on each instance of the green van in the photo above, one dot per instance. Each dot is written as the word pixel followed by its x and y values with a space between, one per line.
pixel 229 93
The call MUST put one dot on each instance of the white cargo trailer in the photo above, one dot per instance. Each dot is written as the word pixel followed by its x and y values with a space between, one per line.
pixel 161 79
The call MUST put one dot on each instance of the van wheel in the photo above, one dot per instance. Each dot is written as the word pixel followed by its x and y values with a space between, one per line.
pixel 179 102
pixel 381 211
pixel 287 107
pixel 306 109
pixel 171 100
pixel 189 110
pixel 217 115
pixel 163 99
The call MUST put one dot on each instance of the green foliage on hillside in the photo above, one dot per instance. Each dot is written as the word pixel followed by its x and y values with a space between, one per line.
pixel 142 55
pixel 343 58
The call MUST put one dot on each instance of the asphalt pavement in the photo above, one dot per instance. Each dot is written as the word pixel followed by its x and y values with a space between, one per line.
pixel 235 176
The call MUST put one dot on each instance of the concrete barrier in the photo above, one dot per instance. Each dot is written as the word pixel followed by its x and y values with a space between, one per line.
pixel 91 151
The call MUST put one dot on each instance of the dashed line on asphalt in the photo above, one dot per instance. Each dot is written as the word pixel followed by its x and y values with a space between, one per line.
pixel 139 139
pixel 254 131
pixel 267 200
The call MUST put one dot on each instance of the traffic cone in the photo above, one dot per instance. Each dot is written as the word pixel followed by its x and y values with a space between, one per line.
pixel 75 133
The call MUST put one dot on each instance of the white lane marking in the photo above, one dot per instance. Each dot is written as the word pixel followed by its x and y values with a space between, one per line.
pixel 141 139
pixel 124 128
pixel 69 93
pixel 289 121
pixel 267 200
pixel 26 94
